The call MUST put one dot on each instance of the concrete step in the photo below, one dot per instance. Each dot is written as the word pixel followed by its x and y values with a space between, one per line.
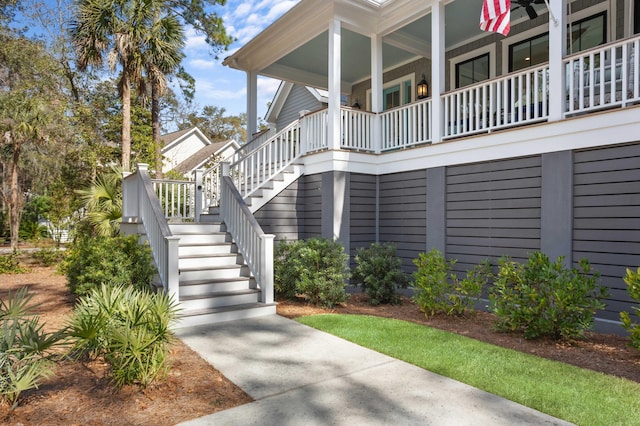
pixel 219 299
pixel 206 249
pixel 213 273
pixel 210 260
pixel 196 287
pixel 229 313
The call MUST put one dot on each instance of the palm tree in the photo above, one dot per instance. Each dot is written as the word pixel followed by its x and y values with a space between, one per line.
pixel 162 57
pixel 24 118
pixel 116 30
pixel 103 202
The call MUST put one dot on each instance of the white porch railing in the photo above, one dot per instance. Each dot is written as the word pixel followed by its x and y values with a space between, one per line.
pixel 357 129
pixel 256 246
pixel 517 98
pixel 315 131
pixel 604 77
pixel 406 126
pixel 140 201
pixel 264 162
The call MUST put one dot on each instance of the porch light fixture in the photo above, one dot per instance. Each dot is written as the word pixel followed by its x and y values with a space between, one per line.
pixel 423 88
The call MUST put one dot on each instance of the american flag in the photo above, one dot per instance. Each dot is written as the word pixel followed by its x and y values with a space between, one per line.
pixel 496 16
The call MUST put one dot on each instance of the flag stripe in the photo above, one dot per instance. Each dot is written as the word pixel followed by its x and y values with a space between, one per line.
pixel 496 16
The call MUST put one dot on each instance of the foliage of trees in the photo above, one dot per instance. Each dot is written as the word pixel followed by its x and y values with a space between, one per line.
pixel 61 121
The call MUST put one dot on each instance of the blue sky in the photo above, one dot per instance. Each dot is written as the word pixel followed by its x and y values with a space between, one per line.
pixel 224 87
pixel 216 84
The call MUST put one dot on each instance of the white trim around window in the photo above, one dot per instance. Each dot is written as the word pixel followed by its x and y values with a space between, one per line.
pixel 577 16
pixel 396 82
pixel 490 49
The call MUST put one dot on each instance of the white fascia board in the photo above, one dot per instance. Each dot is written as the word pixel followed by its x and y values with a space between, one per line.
pixel 303 22
pixel 230 143
pixel 205 141
pixel 594 130
pixel 320 97
pixel 278 102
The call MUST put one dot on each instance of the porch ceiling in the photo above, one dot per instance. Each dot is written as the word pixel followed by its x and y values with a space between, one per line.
pixel 295 48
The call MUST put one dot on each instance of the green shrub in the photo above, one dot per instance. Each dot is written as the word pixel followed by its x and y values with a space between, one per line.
pixel 632 279
pixel 32 231
pixel 10 264
pixel 541 298
pixel 25 349
pixel 438 290
pixel 378 271
pixel 48 256
pixel 91 262
pixel 129 327
pixel 315 268
pixel 285 280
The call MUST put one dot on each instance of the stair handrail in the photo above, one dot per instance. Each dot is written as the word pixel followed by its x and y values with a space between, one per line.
pixel 256 246
pixel 265 161
pixel 140 203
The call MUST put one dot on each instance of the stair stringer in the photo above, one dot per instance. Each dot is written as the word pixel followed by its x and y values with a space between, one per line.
pixel 280 182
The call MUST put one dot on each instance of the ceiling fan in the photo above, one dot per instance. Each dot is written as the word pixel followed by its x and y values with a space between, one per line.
pixel 528 7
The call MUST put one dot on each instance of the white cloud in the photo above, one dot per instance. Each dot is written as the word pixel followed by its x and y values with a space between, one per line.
pixel 267 87
pixel 202 64
pixel 193 41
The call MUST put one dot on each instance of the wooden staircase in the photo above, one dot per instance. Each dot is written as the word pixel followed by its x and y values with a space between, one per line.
pixel 215 283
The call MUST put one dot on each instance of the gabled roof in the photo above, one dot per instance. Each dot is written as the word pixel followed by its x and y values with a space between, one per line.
pixel 281 96
pixel 203 155
pixel 172 139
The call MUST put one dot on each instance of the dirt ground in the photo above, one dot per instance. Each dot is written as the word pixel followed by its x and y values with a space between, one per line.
pixel 79 394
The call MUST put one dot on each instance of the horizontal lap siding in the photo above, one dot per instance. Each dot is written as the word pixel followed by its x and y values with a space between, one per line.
pixel 493 209
pixel 606 216
pixel 403 217
pixel 362 221
pixel 312 206
pixel 283 215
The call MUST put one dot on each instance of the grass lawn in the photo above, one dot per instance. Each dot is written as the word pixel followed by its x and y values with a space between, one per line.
pixel 570 393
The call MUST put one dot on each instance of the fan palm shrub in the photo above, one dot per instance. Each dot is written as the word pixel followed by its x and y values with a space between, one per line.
pixel 129 327
pixel 26 350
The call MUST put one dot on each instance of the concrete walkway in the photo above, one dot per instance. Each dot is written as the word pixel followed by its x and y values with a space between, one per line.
pixel 300 376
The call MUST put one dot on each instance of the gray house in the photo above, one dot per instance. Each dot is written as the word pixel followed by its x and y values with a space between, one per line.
pixel 474 143
pixel 525 142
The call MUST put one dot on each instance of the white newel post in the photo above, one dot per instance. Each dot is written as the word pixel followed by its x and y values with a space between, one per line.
pixel 267 267
pixel 141 168
pixel 334 86
pixel 557 49
pixel 198 194
pixel 304 136
pixel 129 196
pixel 376 90
pixel 172 272
pixel 437 71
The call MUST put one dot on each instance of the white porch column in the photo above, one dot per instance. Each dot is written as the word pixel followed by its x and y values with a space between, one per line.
pixel 252 104
pixel 334 86
pixel 437 70
pixel 376 89
pixel 557 50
